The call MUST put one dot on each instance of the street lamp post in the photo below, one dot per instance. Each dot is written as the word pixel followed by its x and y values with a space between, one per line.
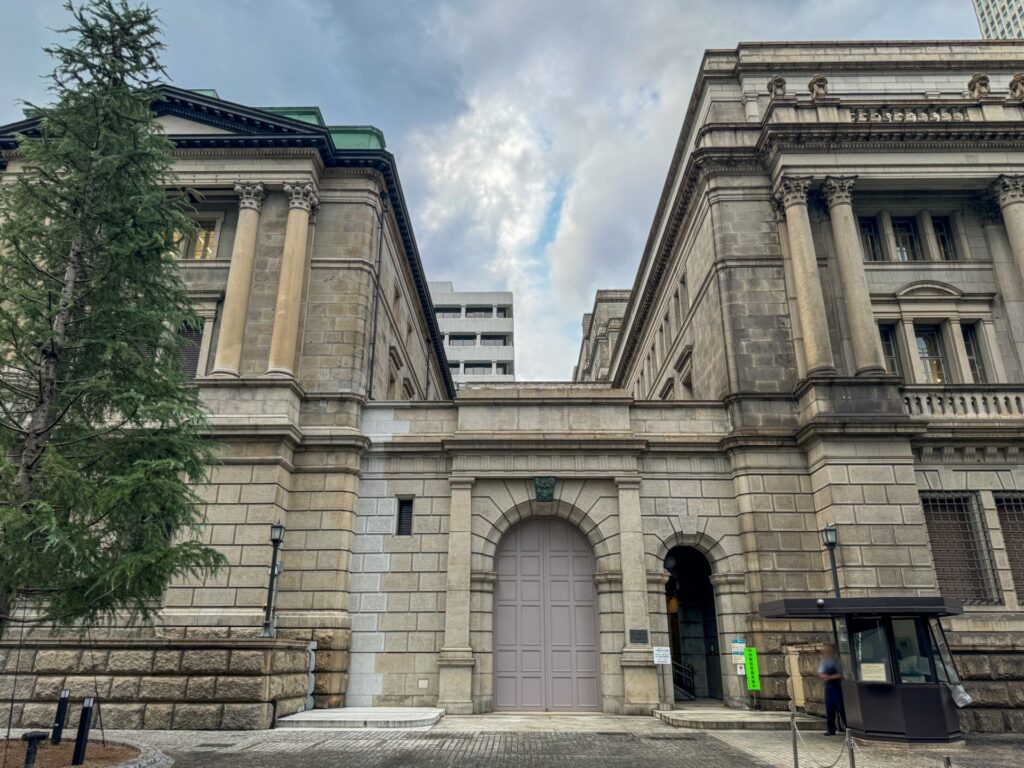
pixel 276 537
pixel 830 537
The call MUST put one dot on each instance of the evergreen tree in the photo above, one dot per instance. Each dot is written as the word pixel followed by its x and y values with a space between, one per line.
pixel 99 436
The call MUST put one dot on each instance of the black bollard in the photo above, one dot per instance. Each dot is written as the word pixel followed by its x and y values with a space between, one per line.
pixel 82 737
pixel 61 718
pixel 32 739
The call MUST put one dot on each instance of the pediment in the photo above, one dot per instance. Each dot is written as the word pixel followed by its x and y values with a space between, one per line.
pixel 928 289
pixel 173 125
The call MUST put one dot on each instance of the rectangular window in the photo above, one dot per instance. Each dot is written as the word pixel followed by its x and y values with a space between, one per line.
pixel 204 243
pixel 930 350
pixel 504 312
pixel 479 312
pixel 973 348
pixel 870 239
pixel 1010 507
pixel 944 235
pixel 192 339
pixel 403 525
pixel 960 547
pixel 461 341
pixel 890 349
pixel 478 369
pixel 493 340
pixel 454 367
pixel 448 311
pixel 503 369
pixel 908 243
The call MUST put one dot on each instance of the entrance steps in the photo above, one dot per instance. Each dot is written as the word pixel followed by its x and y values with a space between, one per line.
pixel 363 717
pixel 707 716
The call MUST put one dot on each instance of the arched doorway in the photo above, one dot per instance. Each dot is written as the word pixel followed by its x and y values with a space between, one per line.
pixel 692 626
pixel 545 620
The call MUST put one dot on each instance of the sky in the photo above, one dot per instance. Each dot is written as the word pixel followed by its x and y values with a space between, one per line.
pixel 532 138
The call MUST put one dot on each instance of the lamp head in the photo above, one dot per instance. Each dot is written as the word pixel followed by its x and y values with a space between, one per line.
pixel 829 536
pixel 277 532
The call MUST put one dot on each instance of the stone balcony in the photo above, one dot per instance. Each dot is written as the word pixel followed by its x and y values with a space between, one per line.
pixel 965 402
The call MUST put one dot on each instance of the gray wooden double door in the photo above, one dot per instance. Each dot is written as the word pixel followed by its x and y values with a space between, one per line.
pixel 545 620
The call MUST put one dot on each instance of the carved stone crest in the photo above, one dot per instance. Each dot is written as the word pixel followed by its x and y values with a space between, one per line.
pixel 544 488
pixel 978 86
pixel 1017 87
pixel 777 87
pixel 818 86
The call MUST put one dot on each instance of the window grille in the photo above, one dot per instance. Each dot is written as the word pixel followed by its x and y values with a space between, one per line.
pixel 403 526
pixel 870 238
pixel 192 339
pixel 1010 507
pixel 960 547
pixel 944 235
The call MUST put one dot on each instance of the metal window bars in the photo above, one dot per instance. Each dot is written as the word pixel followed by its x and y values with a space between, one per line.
pixel 960 547
pixel 1010 508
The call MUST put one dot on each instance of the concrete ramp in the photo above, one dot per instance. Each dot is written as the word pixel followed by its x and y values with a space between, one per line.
pixel 364 717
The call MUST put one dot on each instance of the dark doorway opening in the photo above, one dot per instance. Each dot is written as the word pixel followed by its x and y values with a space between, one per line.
pixel 692 626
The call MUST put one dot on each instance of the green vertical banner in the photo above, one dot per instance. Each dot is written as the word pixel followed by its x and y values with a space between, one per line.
pixel 750 666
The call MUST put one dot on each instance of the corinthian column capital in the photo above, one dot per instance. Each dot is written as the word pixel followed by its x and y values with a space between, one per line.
pixel 250 195
pixel 839 190
pixel 302 196
pixel 1008 189
pixel 792 190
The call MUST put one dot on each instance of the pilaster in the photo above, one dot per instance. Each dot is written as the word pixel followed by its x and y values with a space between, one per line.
pixel 455 689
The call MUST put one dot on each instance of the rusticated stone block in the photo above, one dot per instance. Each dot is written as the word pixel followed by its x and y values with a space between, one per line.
pixel 241 688
pixel 158 716
pixel 48 688
pixel 36 715
pixel 201 688
pixel 988 694
pixel 248 662
pixel 124 689
pixel 137 662
pixel 1015 720
pixel 24 687
pixel 88 686
pixel 51 661
pixel 196 717
pixel 123 715
pixel 1008 667
pixel 989 721
pixel 163 688
pixel 972 666
pixel 289 661
pixel 207 662
pixel 166 661
pixel 246 717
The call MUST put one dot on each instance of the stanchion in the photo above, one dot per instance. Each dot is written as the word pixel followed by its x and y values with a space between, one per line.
pixel 32 739
pixel 82 737
pixel 61 719
pixel 947 761
pixel 792 732
pixel 849 749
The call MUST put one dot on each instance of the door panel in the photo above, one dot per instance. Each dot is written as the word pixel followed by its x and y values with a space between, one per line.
pixel 545 620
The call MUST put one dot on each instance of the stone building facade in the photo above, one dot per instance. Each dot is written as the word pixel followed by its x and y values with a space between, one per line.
pixel 826 329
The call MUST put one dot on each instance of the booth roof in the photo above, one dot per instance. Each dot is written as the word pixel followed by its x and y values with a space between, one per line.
pixel 841 606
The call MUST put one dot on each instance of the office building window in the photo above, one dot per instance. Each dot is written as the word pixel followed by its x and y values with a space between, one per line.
pixel 403 524
pixel 960 547
pixel 503 312
pixel 503 369
pixel 1010 507
pixel 871 241
pixel 973 349
pixel 493 340
pixel 479 312
pixel 930 350
pixel 477 369
pixel 448 311
pixel 908 243
pixel 890 349
pixel 454 367
pixel 461 341
pixel 944 235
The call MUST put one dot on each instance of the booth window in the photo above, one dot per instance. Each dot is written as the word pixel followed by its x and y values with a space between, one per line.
pixel 913 650
pixel 867 652
pixel 1010 507
pixel 960 547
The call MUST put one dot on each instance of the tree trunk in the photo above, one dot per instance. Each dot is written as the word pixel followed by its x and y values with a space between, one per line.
pixel 49 362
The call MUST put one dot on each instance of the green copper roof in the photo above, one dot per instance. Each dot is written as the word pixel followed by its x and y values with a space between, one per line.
pixel 356 137
pixel 309 115
pixel 206 92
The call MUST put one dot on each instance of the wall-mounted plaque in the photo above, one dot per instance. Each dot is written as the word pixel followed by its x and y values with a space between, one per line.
pixel 544 488
pixel 638 636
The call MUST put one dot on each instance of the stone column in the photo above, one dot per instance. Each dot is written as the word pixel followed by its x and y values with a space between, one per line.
pixel 640 675
pixel 455 690
pixel 236 296
pixel 809 300
pixel 867 346
pixel 1009 191
pixel 302 200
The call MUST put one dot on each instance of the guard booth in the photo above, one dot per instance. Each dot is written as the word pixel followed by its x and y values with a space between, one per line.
pixel 899 677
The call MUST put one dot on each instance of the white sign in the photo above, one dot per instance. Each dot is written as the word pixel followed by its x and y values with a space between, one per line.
pixel 741 670
pixel 739 645
pixel 662 654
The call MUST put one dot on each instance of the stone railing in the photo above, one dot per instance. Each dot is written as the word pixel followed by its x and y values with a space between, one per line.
pixel 964 402
pixel 928 113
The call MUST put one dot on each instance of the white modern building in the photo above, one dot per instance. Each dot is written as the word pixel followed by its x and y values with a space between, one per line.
pixel 1000 19
pixel 478 333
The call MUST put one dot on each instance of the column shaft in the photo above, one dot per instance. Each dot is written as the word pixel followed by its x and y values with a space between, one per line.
pixel 809 299
pixel 289 290
pixel 867 346
pixel 236 296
